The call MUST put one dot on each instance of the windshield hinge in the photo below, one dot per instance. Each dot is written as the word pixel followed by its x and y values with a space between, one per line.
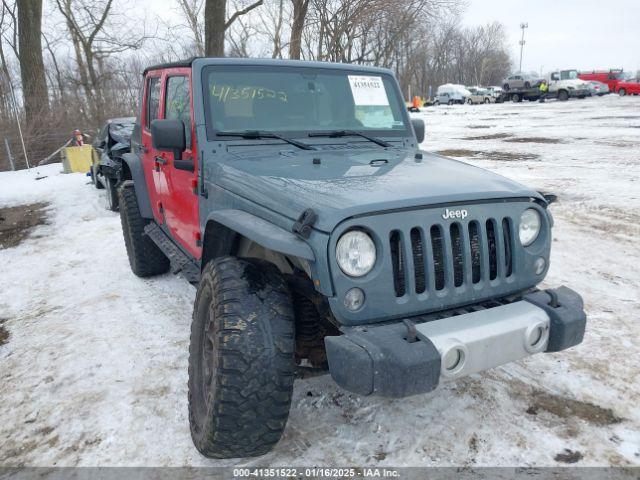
pixel 303 226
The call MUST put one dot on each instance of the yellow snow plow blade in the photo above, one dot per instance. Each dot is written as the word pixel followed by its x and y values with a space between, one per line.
pixel 76 159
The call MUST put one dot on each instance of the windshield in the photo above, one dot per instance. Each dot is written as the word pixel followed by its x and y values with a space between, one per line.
pixel 292 100
pixel 569 74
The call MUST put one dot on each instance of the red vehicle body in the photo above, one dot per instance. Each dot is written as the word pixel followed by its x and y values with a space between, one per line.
pixel 171 195
pixel 610 77
pixel 628 87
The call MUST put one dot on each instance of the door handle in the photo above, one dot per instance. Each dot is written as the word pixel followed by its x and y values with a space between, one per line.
pixel 159 161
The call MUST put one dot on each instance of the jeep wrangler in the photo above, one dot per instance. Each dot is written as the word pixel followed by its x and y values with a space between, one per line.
pixel 295 196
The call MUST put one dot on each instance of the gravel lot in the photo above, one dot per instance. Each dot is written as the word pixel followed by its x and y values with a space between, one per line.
pixel 93 361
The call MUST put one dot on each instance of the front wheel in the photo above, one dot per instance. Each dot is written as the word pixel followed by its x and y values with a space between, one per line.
pixel 450 102
pixel 486 100
pixel 469 101
pixel 622 92
pixel 563 95
pixel 515 98
pixel 241 358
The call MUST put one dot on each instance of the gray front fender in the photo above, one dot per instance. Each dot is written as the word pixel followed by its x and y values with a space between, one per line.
pixel 264 233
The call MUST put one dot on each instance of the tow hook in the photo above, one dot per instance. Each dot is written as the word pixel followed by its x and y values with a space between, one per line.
pixel 412 333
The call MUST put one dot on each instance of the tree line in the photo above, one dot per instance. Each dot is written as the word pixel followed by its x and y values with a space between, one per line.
pixel 69 64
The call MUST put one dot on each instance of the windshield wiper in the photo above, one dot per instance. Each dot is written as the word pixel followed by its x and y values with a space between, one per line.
pixel 350 133
pixel 256 134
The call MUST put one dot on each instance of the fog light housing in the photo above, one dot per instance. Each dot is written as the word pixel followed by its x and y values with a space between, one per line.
pixel 354 299
pixel 538 266
pixel 453 359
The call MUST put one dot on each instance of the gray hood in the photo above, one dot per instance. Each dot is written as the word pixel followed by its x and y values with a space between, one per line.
pixel 345 183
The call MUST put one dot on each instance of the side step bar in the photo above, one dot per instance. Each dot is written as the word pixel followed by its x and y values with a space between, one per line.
pixel 180 262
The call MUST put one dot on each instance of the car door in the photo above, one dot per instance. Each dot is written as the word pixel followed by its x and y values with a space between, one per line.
pixel 151 167
pixel 516 82
pixel 180 198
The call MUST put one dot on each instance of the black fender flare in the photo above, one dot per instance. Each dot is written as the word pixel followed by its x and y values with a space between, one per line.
pixel 263 233
pixel 134 162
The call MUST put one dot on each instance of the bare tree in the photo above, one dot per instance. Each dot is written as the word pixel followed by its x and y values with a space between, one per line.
pixel 34 81
pixel 216 23
pixel 191 9
pixel 300 9
pixel 87 22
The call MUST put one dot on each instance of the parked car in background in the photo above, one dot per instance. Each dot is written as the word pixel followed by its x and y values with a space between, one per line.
pixel 609 77
pixel 113 141
pixel 479 95
pixel 495 91
pixel 450 94
pixel 566 84
pixel 521 80
pixel 630 86
pixel 598 88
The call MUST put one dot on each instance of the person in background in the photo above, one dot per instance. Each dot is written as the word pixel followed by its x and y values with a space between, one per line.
pixel 544 88
pixel 78 138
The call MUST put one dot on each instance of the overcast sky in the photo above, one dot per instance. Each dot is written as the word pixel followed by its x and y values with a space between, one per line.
pixel 582 34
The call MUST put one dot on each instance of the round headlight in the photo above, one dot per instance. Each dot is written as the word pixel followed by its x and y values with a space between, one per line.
pixel 356 253
pixel 529 226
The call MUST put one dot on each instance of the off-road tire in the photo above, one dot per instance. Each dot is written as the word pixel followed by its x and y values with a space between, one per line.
pixel 145 258
pixel 112 195
pixel 241 358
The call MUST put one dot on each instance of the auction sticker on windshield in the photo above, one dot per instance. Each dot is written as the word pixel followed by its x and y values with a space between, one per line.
pixel 368 90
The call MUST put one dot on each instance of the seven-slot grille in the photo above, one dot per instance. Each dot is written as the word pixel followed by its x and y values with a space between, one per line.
pixel 435 257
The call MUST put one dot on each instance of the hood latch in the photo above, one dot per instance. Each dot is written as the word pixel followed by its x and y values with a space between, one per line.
pixel 303 226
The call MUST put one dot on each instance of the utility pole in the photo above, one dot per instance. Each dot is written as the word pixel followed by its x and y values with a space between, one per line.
pixel 522 42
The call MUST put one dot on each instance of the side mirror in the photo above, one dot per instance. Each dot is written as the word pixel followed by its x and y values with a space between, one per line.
pixel 168 136
pixel 418 128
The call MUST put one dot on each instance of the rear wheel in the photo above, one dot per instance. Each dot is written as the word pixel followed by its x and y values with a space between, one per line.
pixel 527 85
pixel 622 92
pixel 450 102
pixel 469 101
pixel 516 98
pixel 563 95
pixel 145 258
pixel 505 87
pixel 486 100
pixel 241 358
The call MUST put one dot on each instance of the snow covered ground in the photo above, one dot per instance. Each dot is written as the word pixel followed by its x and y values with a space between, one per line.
pixel 94 370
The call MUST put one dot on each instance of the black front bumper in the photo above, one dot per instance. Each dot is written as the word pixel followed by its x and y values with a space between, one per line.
pixel 380 360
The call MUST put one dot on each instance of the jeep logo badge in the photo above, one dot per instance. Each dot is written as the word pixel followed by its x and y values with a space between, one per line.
pixel 449 214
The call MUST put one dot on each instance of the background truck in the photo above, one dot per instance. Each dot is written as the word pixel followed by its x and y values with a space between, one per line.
pixel 565 84
pixel 296 198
